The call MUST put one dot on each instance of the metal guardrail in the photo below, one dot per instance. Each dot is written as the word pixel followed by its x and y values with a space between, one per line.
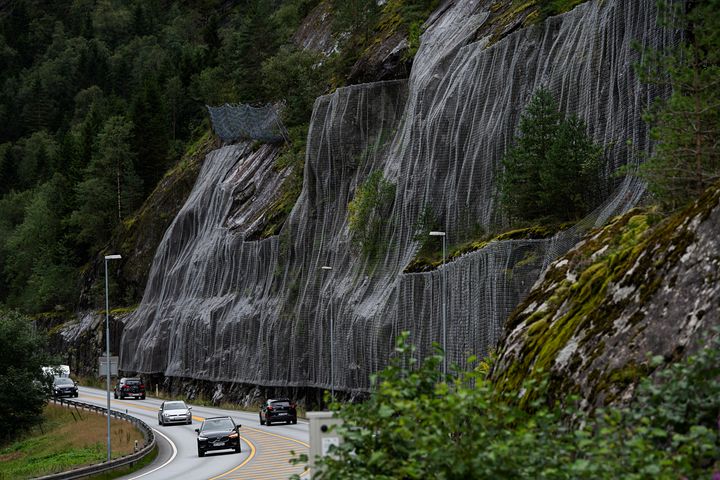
pixel 82 472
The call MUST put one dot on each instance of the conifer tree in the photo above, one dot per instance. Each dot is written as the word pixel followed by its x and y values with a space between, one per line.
pixel 111 188
pixel 686 126
pixel 553 169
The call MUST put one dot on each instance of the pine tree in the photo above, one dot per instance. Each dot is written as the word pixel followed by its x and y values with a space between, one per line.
pixel 151 133
pixel 520 182
pixel 111 189
pixel 553 169
pixel 686 126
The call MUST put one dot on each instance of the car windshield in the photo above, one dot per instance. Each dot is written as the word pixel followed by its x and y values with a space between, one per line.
pixel 281 403
pixel 132 381
pixel 175 406
pixel 63 381
pixel 218 424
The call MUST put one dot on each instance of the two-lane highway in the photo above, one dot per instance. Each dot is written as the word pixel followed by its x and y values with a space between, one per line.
pixel 265 450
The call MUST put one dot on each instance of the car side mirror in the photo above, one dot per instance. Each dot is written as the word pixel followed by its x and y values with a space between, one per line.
pixel 197 430
pixel 237 427
pixel 189 408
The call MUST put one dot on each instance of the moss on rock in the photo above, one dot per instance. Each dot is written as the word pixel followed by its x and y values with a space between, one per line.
pixel 586 322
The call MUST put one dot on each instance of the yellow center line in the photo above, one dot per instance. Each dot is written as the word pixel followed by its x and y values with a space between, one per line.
pixel 253 450
pixel 279 436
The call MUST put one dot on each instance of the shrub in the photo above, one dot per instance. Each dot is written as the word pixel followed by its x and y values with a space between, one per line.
pixel 368 212
pixel 418 424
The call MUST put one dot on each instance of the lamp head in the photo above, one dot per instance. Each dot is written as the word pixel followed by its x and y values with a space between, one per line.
pixel 437 234
pixel 113 257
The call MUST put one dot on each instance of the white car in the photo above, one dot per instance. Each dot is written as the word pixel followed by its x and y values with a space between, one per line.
pixel 174 412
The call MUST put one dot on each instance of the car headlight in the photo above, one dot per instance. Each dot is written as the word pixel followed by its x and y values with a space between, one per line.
pixel 233 435
pixel 166 414
pixel 202 439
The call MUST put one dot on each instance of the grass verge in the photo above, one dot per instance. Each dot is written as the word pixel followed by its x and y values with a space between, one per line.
pixel 121 472
pixel 66 439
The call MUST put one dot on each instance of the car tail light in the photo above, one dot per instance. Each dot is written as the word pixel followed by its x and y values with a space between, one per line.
pixel 292 405
pixel 126 387
pixel 142 386
pixel 270 408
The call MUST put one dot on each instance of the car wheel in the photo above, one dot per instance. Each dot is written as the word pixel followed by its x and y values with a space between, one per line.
pixel 287 422
pixel 200 452
pixel 115 395
pixel 237 449
pixel 189 422
pixel 267 421
pixel 294 422
pixel 143 397
pixel 262 422
pixel 76 394
pixel 159 422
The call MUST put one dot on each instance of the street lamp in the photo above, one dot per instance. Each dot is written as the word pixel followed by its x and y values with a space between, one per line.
pixel 444 308
pixel 332 345
pixel 107 346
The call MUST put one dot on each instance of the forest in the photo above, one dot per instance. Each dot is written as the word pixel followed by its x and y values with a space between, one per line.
pixel 99 98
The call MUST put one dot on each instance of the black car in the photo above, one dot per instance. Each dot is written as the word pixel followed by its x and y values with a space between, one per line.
pixel 64 386
pixel 130 387
pixel 278 410
pixel 218 433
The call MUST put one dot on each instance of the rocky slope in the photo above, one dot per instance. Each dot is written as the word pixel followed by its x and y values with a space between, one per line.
pixel 222 307
pixel 633 290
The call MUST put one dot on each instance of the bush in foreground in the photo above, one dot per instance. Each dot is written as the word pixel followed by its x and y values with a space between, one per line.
pixel 417 424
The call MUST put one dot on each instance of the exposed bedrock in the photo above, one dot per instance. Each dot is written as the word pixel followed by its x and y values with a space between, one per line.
pixel 224 309
pixel 633 290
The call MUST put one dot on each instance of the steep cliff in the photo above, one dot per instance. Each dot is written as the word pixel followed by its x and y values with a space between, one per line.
pixel 221 307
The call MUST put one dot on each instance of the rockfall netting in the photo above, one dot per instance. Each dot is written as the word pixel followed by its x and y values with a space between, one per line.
pixel 236 122
pixel 218 307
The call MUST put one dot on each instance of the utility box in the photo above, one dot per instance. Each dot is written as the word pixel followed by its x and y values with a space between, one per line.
pixel 323 435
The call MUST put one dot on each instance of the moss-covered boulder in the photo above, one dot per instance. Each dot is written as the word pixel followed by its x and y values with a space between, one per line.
pixel 641 287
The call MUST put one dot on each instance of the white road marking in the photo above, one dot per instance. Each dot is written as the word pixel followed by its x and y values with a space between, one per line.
pixel 174 454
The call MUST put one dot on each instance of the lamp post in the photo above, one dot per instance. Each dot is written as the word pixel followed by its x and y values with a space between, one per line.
pixel 332 345
pixel 107 347
pixel 444 307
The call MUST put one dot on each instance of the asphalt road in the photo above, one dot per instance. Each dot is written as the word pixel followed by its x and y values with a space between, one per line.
pixel 265 450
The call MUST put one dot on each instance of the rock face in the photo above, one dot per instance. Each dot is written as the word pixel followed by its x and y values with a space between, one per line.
pixel 627 292
pixel 221 307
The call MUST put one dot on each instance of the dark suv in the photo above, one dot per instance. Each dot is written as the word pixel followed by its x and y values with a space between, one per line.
pixel 130 387
pixel 218 433
pixel 63 386
pixel 278 410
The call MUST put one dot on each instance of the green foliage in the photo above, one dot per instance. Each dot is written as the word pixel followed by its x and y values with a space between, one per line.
pixel 553 169
pixel 368 212
pixel 292 157
pixel 686 126
pixel 355 18
pixel 110 189
pixel 417 424
pixel 23 385
pixel 296 77
pixel 37 264
pixel 409 15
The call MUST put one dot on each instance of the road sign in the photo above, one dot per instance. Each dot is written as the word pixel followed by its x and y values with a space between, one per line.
pixel 102 366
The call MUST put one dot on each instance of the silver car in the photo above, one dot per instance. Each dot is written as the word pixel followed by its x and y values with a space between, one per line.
pixel 174 412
